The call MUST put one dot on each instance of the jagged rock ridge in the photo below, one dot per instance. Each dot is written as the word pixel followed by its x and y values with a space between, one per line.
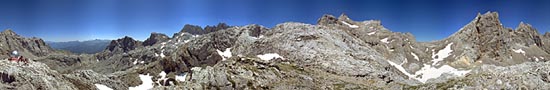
pixel 31 47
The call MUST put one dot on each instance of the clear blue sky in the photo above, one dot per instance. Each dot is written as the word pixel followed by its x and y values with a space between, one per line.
pixel 67 20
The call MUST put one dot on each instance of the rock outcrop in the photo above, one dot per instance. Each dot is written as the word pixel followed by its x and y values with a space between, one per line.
pixel 197 30
pixel 29 47
pixel 155 38
pixel 123 45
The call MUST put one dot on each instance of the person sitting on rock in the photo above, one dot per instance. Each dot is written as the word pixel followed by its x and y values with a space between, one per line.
pixel 18 58
pixel 14 56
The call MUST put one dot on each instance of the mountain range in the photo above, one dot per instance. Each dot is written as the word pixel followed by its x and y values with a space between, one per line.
pixel 88 47
pixel 336 53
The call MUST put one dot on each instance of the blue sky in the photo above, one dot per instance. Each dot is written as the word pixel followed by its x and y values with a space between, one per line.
pixel 67 20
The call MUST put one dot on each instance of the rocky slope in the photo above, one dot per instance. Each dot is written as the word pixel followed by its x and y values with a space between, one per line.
pixel 336 53
pixel 30 47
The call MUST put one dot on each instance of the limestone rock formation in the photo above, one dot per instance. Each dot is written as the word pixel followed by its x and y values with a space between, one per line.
pixel 155 38
pixel 30 47
pixel 123 45
pixel 197 30
pixel 336 53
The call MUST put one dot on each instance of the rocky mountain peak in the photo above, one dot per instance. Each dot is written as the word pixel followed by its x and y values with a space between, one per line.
pixel 197 30
pixel 220 26
pixel 9 32
pixel 192 29
pixel 155 38
pixel 526 28
pixel 484 25
pixel 327 20
pixel 123 45
pixel 488 20
pixel 29 47
pixel 343 16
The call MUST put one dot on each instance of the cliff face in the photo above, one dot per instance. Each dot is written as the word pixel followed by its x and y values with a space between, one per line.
pixel 123 45
pixel 30 47
pixel 197 30
pixel 155 38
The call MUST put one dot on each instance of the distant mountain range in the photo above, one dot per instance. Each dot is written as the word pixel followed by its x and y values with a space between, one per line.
pixel 88 47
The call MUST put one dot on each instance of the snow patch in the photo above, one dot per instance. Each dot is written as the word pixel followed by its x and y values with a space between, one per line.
pixel 162 54
pixel 404 61
pixel 225 54
pixel 97 60
pixel 269 56
pixel 415 57
pixel 142 62
pixel 442 54
pixel 162 50
pixel 350 25
pixel 147 83
pixel 135 61
pixel 519 51
pixel 162 78
pixel 371 33
pixel 428 72
pixel 385 40
pixel 261 36
pixel 181 77
pixel 102 87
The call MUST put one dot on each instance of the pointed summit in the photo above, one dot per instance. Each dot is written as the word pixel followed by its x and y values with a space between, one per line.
pixel 343 16
pixel 220 26
pixel 155 38
pixel 488 19
pixel 327 20
pixel 8 32
pixel 526 28
pixel 123 45
pixel 529 33
pixel 487 23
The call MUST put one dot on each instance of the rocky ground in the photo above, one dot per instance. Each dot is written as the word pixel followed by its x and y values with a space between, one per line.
pixel 336 53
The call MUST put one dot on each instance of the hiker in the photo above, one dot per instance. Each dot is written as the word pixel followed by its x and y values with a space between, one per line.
pixel 18 58
pixel 14 56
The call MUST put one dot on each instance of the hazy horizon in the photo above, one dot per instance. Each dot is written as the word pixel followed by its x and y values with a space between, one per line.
pixel 427 20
